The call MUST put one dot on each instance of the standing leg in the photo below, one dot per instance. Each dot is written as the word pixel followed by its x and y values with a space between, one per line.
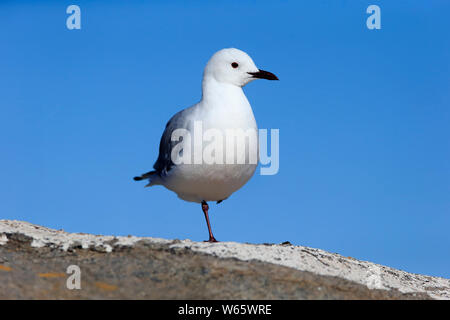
pixel 205 209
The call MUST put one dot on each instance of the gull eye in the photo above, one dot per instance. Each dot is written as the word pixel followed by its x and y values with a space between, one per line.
pixel 234 65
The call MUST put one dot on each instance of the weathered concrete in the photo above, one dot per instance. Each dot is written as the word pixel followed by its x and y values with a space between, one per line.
pixel 34 259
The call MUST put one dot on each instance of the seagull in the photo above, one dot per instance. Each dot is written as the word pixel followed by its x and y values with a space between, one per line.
pixel 223 106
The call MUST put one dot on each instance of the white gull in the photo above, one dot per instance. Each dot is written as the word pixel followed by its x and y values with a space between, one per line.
pixel 223 107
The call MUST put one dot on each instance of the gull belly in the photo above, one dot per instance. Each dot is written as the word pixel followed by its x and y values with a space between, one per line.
pixel 217 181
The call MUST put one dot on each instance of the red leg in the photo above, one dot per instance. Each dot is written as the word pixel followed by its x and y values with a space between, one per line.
pixel 205 209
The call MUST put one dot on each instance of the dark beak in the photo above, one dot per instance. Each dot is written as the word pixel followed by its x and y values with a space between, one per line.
pixel 262 74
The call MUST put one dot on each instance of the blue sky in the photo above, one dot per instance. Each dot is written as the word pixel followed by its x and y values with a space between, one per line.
pixel 363 118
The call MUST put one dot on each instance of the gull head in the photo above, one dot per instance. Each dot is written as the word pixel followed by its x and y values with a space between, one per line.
pixel 233 66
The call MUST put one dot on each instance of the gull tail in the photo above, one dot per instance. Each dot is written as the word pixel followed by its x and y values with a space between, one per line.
pixel 151 176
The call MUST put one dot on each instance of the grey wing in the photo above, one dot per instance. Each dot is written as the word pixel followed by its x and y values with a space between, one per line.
pixel 164 162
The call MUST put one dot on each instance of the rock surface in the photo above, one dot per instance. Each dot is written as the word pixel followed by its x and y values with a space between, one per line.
pixel 34 262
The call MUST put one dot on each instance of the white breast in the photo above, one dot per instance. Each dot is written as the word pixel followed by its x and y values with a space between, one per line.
pixel 214 182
